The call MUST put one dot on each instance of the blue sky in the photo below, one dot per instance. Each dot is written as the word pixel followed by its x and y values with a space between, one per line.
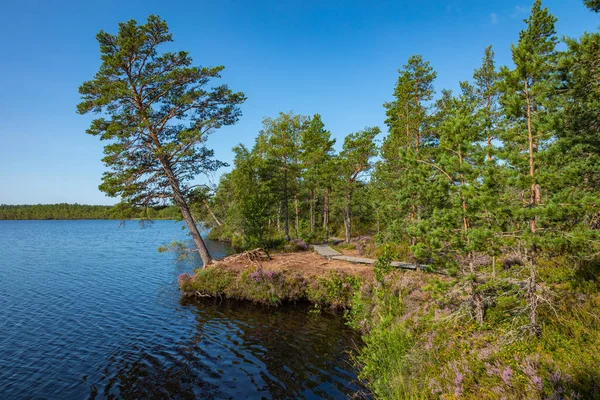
pixel 337 58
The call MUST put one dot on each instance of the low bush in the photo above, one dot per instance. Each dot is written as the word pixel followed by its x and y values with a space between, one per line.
pixel 422 341
pixel 271 287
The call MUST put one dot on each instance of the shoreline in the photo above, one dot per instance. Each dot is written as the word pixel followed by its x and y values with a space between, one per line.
pixel 285 278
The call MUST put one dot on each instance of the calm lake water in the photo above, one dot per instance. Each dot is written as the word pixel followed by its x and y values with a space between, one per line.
pixel 89 309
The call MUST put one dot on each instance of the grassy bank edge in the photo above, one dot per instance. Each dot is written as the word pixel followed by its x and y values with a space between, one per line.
pixel 422 340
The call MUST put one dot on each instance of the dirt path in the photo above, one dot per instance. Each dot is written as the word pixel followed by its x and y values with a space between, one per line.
pixel 307 263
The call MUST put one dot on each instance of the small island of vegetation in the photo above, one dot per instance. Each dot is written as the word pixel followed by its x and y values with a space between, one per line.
pixel 494 188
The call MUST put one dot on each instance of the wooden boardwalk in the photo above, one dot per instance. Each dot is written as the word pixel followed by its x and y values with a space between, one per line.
pixel 329 253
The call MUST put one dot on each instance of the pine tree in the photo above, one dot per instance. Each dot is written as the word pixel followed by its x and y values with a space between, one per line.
pixel 529 100
pixel 354 160
pixel 279 140
pixel 486 90
pixel 316 152
pixel 593 5
pixel 490 192
pixel 158 113
pixel 400 175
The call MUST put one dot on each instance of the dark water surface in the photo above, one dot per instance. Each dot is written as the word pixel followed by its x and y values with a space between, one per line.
pixel 88 309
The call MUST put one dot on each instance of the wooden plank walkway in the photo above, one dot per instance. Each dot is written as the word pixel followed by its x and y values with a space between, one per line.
pixel 327 252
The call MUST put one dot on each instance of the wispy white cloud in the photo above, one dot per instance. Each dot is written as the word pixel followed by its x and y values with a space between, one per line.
pixel 519 10
pixel 494 18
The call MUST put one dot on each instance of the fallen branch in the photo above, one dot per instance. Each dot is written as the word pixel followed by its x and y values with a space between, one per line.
pixel 253 256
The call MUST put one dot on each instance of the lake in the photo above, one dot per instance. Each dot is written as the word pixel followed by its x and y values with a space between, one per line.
pixel 90 309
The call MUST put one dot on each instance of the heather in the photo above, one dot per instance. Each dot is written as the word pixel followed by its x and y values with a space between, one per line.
pixel 334 289
pixel 423 341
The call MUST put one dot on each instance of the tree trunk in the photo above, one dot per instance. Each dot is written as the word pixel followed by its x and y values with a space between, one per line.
pixel 211 213
pixel 489 127
pixel 348 217
pixel 312 211
pixel 462 198
pixel 286 214
pixel 418 131
pixel 535 188
pixel 186 214
pixel 326 214
pixel 297 215
pixel 279 217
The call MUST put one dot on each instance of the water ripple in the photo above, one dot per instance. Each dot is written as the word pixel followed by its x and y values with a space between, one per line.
pixel 91 310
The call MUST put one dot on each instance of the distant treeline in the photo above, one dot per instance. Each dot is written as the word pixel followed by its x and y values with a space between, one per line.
pixel 80 211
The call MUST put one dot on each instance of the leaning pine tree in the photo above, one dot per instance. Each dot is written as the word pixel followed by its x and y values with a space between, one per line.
pixel 156 115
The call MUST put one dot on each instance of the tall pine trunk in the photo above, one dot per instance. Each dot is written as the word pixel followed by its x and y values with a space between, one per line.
pixel 535 199
pixel 313 202
pixel 186 214
pixel 326 214
pixel 348 217
pixel 279 218
pixel 535 195
pixel 297 207
pixel 286 214
pixel 489 127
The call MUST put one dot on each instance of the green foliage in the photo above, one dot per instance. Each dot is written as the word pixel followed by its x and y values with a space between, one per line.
pixel 383 265
pixel 55 211
pixel 593 5
pixel 419 343
pixel 292 183
pixel 82 211
pixel 335 290
pixel 495 186
pixel 157 113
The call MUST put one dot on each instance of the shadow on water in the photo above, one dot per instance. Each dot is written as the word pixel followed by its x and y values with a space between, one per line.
pixel 239 350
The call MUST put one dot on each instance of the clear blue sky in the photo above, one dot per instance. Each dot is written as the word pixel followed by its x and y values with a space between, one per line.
pixel 337 58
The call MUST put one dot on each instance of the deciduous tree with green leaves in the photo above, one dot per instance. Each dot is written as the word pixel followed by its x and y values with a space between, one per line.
pixel 157 112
